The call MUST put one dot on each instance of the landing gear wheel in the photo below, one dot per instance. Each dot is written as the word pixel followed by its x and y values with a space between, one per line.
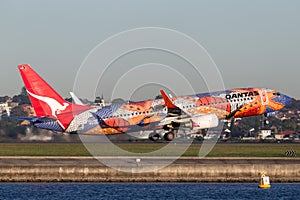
pixel 154 137
pixel 169 136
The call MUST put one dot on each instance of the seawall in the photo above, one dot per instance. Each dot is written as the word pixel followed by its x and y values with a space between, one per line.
pixel 88 169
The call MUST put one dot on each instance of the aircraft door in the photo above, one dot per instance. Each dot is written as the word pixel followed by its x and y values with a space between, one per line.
pixel 264 97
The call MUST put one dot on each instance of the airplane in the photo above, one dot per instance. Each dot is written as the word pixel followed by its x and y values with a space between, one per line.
pixel 161 118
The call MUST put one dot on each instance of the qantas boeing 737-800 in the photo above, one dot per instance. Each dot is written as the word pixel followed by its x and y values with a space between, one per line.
pixel 160 117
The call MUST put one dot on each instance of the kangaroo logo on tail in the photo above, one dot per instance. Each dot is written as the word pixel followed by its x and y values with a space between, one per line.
pixel 54 105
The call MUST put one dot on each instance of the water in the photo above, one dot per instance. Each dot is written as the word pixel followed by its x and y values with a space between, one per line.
pixel 147 191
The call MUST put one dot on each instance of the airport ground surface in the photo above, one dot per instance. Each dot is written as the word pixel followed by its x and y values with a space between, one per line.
pixel 93 161
pixel 73 163
pixel 219 150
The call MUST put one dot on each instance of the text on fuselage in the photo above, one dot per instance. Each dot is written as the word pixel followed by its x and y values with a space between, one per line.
pixel 242 95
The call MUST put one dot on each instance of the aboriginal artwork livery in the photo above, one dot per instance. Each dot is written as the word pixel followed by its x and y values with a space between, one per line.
pixel 54 113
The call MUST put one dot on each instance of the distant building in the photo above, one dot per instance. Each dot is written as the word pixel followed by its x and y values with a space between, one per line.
pixel 99 101
pixel 264 133
pixel 284 135
pixel 284 118
pixel 29 110
pixel 5 107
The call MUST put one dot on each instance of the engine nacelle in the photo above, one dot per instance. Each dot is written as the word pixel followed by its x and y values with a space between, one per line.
pixel 204 121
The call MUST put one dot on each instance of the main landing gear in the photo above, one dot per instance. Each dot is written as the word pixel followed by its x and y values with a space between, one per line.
pixel 154 136
pixel 168 136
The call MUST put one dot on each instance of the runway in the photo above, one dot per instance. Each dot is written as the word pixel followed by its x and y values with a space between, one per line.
pixel 146 169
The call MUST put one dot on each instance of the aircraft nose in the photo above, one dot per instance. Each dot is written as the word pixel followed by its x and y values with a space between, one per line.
pixel 286 100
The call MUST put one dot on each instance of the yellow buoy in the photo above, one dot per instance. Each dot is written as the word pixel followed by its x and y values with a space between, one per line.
pixel 264 181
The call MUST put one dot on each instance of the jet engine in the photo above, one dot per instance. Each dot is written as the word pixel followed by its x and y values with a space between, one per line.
pixel 204 121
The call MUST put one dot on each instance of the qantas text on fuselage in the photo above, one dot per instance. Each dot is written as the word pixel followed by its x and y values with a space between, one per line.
pixel 242 95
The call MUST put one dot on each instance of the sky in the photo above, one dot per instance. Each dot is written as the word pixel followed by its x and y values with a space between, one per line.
pixel 252 44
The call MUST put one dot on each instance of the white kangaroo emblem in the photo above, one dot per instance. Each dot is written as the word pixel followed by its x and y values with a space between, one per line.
pixel 52 103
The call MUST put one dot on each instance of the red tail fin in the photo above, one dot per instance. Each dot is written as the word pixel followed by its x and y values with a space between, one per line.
pixel 168 102
pixel 45 100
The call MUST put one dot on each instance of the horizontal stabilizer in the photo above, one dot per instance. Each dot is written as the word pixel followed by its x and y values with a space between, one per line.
pixel 31 119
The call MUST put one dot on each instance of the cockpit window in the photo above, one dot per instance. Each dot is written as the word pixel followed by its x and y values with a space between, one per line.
pixel 276 94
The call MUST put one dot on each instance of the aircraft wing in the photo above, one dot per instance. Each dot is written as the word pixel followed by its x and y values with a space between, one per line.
pixel 177 117
pixel 76 99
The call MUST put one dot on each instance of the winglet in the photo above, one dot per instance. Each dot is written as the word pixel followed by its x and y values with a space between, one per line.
pixel 168 101
pixel 76 99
